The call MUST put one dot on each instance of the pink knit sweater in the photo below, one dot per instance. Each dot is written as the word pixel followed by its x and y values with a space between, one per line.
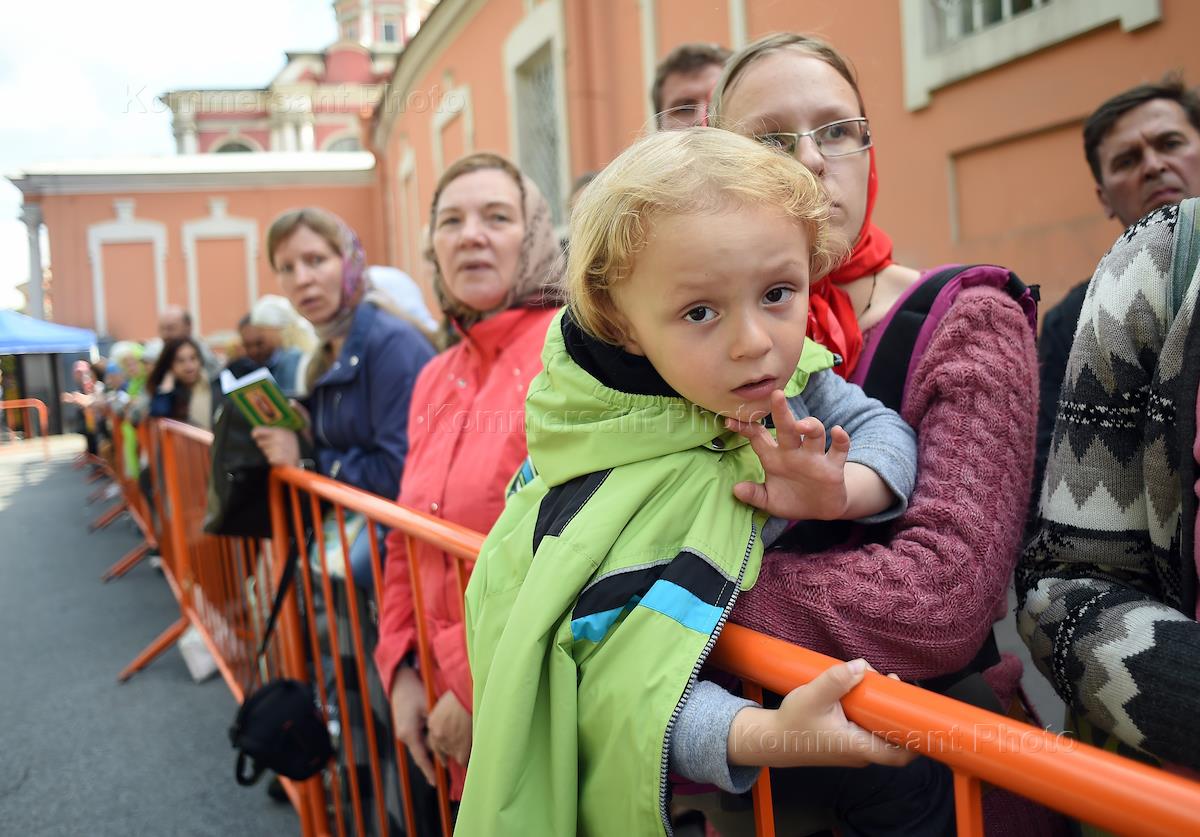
pixel 921 604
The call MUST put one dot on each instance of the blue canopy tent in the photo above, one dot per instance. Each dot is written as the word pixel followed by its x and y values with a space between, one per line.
pixel 21 335
pixel 46 348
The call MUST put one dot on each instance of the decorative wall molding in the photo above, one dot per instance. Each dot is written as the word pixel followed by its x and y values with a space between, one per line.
pixel 737 25
pixel 126 229
pixel 928 68
pixel 541 27
pixel 410 214
pixel 219 225
pixel 648 12
pixel 456 103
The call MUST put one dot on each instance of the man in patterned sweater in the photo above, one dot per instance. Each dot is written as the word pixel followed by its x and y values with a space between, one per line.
pixel 1108 584
pixel 1143 148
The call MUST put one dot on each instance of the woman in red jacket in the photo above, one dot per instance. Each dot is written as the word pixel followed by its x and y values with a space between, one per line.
pixel 496 273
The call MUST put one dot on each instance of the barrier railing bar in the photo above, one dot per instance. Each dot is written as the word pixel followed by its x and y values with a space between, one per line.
pixel 410 821
pixel 34 405
pixel 425 655
pixel 1099 787
pixel 339 674
pixel 968 804
pixel 312 805
pixel 764 820
pixel 361 668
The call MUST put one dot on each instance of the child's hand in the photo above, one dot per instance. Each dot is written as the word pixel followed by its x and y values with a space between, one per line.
pixel 803 481
pixel 809 729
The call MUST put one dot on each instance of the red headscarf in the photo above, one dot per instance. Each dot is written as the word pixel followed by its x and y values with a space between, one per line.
pixel 831 318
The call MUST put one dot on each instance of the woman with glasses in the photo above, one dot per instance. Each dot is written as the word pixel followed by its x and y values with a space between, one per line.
pixel 917 596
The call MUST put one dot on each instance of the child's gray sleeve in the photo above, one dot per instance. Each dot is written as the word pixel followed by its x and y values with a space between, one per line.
pixel 879 438
pixel 700 741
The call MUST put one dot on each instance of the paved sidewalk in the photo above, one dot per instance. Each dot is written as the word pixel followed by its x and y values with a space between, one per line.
pixel 80 754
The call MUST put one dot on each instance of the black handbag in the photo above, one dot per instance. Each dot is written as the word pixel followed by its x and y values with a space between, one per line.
pixel 238 480
pixel 279 727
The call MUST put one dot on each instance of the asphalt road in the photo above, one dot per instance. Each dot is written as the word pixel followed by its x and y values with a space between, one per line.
pixel 79 753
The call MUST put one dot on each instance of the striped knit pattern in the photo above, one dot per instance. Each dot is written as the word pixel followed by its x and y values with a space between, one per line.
pixel 1100 583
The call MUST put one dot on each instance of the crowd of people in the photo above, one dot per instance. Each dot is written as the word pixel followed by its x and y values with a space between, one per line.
pixel 695 414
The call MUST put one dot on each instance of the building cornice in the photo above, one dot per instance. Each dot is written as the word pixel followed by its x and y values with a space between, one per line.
pixel 194 172
pixel 443 23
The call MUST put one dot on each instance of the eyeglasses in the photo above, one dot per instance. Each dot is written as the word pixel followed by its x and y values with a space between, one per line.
pixel 837 139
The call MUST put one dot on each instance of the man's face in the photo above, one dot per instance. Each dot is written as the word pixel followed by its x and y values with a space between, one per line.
pixel 685 97
pixel 257 343
pixel 1150 158
pixel 171 326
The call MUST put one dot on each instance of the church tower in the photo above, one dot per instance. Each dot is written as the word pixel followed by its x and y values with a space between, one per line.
pixel 380 25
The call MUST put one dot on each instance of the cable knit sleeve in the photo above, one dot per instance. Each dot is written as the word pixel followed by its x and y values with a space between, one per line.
pixel 920 602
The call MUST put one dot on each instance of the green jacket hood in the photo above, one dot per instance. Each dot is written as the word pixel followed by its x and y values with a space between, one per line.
pixel 572 418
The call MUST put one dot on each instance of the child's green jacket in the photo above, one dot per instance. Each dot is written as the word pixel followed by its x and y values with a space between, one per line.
pixel 596 599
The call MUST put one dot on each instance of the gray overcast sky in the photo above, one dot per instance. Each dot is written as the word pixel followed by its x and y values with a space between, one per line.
pixel 78 79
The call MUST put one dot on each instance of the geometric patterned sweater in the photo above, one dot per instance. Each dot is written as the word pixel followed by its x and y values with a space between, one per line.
pixel 1107 585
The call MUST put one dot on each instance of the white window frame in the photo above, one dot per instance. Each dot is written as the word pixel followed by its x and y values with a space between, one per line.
pixel 126 229
pixel 410 212
pixel 927 70
pixel 648 31
pixel 454 104
pixel 219 225
pixel 543 25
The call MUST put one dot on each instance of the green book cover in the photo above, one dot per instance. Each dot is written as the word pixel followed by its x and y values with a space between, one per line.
pixel 261 400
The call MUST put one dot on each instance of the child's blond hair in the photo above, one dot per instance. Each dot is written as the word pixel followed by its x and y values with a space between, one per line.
pixel 690 172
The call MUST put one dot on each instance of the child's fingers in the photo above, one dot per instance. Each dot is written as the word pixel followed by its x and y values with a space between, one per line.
pixel 814 434
pixel 752 494
pixel 752 430
pixel 787 429
pixel 737 425
pixel 831 685
pixel 839 448
pixel 761 442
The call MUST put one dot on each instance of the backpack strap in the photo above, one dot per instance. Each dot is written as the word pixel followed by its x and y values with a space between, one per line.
pixel 888 374
pixel 1185 251
pixel 285 582
pixel 907 329
pixel 899 349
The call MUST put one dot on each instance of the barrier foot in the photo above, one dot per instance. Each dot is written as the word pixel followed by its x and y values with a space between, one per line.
pixel 96 474
pixel 108 517
pixel 97 494
pixel 164 641
pixel 127 563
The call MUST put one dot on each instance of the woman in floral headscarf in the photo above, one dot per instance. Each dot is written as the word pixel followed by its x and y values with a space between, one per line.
pixel 360 380
pixel 496 275
pixel 361 375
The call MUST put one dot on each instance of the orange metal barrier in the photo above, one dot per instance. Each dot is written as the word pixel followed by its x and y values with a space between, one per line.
pixel 224 586
pixel 132 501
pixel 1065 774
pixel 32 405
pixel 296 489
pixel 211 579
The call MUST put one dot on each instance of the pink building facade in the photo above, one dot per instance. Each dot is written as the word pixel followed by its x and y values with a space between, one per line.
pixel 976 107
